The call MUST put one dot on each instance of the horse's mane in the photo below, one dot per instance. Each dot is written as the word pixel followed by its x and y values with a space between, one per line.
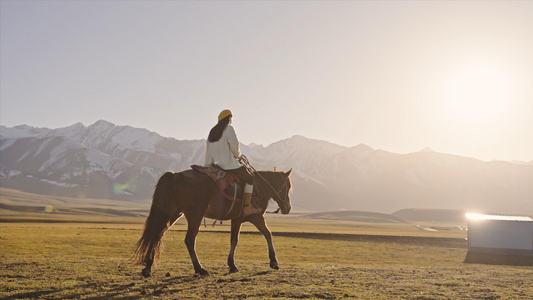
pixel 270 174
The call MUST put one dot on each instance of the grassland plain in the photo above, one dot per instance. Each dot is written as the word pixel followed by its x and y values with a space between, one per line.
pixel 91 261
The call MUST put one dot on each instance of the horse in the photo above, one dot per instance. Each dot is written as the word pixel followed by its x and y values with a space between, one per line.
pixel 195 195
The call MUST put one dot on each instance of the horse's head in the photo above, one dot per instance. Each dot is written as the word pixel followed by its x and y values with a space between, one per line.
pixel 276 185
pixel 283 198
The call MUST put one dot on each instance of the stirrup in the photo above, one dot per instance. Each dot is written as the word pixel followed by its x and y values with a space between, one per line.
pixel 250 210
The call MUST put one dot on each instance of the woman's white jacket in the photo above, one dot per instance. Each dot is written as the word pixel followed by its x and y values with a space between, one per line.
pixel 224 151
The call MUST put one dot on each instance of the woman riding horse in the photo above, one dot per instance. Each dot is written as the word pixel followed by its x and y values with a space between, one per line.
pixel 194 194
pixel 223 150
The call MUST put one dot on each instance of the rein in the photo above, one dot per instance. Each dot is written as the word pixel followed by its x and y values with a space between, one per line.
pixel 244 161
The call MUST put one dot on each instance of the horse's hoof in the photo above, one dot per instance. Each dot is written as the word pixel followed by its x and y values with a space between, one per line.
pixel 146 273
pixel 233 270
pixel 202 272
pixel 274 265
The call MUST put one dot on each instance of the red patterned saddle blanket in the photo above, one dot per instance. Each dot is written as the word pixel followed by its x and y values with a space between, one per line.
pixel 224 180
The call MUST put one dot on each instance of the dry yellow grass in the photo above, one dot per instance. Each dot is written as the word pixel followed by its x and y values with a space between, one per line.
pixel 81 251
pixel 88 261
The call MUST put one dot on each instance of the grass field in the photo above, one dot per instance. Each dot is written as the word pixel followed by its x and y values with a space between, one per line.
pixel 91 261
pixel 61 248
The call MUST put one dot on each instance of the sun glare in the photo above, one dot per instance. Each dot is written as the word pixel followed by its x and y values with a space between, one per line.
pixel 478 93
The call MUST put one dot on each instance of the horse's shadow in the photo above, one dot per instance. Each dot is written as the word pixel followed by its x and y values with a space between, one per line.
pixel 262 273
pixel 141 288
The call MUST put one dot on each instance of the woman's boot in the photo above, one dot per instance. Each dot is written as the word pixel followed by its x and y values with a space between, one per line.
pixel 249 209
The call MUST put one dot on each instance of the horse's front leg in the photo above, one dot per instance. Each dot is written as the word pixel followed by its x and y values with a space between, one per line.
pixel 235 229
pixel 190 241
pixel 259 222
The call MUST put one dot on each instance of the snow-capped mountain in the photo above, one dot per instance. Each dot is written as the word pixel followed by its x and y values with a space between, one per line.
pixel 121 162
pixel 101 160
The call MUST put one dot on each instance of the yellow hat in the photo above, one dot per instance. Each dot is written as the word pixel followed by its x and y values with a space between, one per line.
pixel 224 114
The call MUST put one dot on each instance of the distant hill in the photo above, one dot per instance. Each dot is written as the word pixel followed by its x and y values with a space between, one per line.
pixel 21 206
pixel 432 215
pixel 356 216
pixel 107 161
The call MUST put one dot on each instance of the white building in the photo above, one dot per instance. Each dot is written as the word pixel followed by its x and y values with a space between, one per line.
pixel 500 234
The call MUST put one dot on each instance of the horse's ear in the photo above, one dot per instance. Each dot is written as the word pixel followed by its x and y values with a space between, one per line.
pixel 288 173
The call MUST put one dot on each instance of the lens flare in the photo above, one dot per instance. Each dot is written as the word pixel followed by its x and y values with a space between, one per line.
pixel 48 209
pixel 119 188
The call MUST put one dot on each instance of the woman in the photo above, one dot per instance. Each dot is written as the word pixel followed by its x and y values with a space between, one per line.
pixel 223 150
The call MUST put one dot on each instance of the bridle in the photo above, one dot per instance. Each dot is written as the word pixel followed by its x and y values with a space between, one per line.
pixel 244 161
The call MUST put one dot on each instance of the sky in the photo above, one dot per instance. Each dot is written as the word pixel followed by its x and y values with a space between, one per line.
pixel 454 76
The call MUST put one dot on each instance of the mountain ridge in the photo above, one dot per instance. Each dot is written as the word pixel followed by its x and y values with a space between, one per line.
pixel 120 162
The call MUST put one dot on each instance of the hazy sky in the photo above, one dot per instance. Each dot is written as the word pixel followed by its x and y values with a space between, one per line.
pixel 399 76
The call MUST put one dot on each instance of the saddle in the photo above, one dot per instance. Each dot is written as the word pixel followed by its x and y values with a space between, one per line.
pixel 227 184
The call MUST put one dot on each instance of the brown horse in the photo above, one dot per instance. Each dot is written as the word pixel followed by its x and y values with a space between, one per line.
pixel 195 195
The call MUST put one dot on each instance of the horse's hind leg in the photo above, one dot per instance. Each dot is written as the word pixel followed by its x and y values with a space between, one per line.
pixel 190 241
pixel 147 271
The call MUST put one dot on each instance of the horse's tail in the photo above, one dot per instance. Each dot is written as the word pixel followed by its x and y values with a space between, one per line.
pixel 149 247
